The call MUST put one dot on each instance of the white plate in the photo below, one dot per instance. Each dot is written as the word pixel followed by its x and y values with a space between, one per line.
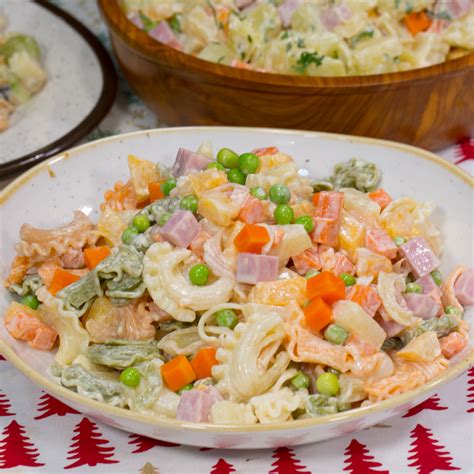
pixel 79 91
pixel 46 196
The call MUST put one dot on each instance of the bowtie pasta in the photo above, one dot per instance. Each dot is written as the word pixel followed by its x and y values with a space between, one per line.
pixel 311 37
pixel 236 290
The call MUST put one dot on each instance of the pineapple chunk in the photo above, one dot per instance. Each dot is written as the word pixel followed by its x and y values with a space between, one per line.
pixel 206 180
pixel 424 348
pixel 370 263
pixel 267 162
pixel 143 172
pixel 279 292
pixel 217 207
pixel 112 224
pixel 351 233
pixel 295 241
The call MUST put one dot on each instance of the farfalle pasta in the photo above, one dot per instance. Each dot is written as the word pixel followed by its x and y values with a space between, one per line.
pixel 237 290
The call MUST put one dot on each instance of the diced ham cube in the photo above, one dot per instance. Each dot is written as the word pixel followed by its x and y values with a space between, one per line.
pixel 197 245
pixel 181 229
pixel 134 17
pixel 286 10
pixel 187 161
pixel 307 260
pixel 195 405
pixel 252 268
pixel 392 328
pixel 366 297
pixel 44 338
pixel 423 306
pixel 334 16
pixel 420 256
pixel 452 344
pixel 378 240
pixel 428 285
pixel 343 264
pixel 326 231
pixel 253 211
pixel 163 33
pixel 464 288
pixel 327 217
pixel 73 258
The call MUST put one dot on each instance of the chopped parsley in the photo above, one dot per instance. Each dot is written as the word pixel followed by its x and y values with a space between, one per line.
pixel 175 23
pixel 366 34
pixel 306 59
pixel 148 24
pixel 284 35
pixel 289 46
pixel 249 38
pixel 300 43
pixel 219 61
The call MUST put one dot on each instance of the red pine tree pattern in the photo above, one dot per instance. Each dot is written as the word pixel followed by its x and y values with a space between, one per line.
pixel 1 357
pixel 285 462
pixel 465 150
pixel 431 403
pixel 88 447
pixel 470 390
pixel 359 460
pixel 50 406
pixel 144 443
pixel 15 448
pixel 5 406
pixel 427 455
pixel 206 449
pixel 222 467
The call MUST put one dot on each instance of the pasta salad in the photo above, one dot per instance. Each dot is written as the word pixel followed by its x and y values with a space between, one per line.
pixel 311 37
pixel 237 290
pixel 21 72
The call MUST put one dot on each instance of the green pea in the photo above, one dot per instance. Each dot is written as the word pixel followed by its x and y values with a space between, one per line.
pixel 189 203
pixel 227 158
pixel 399 240
pixel 348 280
pixel 215 165
pixel 164 218
pixel 141 222
pixel 283 214
pixel 436 275
pixel 279 194
pixel 168 185
pixel 31 301
pixel 413 288
pixel 259 193
pixel 311 273
pixel 452 310
pixel 236 176
pixel 129 234
pixel 227 318
pixel 335 334
pixel 249 163
pixel 199 274
pixel 130 377
pixel 300 380
pixel 307 222
pixel 186 388
pixel 328 384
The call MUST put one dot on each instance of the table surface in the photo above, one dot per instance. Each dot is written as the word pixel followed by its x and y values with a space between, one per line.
pixel 437 436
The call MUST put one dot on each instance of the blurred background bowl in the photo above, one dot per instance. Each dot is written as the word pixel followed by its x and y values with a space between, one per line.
pixel 431 107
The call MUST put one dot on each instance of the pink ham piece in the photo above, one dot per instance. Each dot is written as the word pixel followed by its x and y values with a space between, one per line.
pixel 243 3
pixel 378 241
pixel 334 16
pixel 181 229
pixel 419 255
pixel 163 33
pixel 423 306
pixel 428 285
pixel 454 8
pixel 343 264
pixel 464 288
pixel 392 328
pixel 252 268
pixel 134 17
pixel 286 10
pixel 195 405
pixel 187 161
pixel 327 218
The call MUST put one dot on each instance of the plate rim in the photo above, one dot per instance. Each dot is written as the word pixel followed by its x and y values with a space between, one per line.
pixel 97 113
pixel 172 424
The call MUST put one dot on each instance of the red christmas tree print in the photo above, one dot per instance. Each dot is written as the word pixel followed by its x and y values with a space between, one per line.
pixel 222 467
pixel 52 406
pixel 431 404
pixel 427 455
pixel 145 444
pixel 5 406
pixel 359 459
pixel 89 448
pixel 1 357
pixel 465 150
pixel 15 448
pixel 470 390
pixel 285 462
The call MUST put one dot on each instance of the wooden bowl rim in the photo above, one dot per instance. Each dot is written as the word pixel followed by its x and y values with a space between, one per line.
pixel 157 52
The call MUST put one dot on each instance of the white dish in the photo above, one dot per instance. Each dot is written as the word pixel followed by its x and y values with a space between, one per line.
pixel 79 90
pixel 46 196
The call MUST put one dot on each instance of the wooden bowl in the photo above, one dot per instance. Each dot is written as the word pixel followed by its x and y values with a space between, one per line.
pixel 431 107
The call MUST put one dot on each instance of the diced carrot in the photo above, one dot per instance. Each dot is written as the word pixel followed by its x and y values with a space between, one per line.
pixel 417 22
pixel 271 150
pixel 252 238
pixel 316 198
pixel 155 191
pixel 381 197
pixel 253 211
pixel 327 286
pixel 94 255
pixel 452 344
pixel 222 16
pixel 204 361
pixel 61 279
pixel 317 314
pixel 143 204
pixel 366 297
pixel 177 373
